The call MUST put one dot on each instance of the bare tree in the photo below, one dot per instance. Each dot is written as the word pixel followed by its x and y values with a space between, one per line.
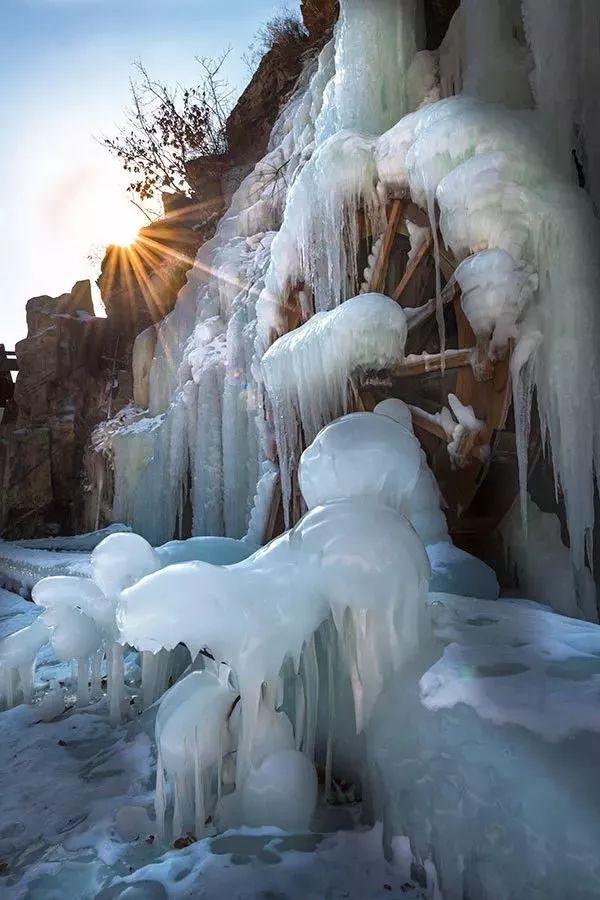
pixel 166 126
pixel 283 31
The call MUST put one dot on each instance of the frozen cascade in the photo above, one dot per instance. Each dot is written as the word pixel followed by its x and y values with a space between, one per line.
pixel 205 391
pixel 497 188
pixel 500 189
pixel 335 610
pixel 307 371
pixel 203 394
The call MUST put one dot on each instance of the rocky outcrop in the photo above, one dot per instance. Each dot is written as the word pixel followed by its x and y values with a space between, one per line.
pixel 65 386
pixel 251 121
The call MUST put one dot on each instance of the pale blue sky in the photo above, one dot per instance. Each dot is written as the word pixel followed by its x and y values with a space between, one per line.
pixel 64 68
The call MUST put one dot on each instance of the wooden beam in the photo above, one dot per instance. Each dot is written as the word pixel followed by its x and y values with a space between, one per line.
pixel 416 315
pixel 274 513
pixel 469 447
pixel 425 423
pixel 435 362
pixel 448 262
pixel 381 265
pixel 412 268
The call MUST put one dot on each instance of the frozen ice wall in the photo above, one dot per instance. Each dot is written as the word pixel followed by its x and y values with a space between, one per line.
pixel 205 424
pixel 362 126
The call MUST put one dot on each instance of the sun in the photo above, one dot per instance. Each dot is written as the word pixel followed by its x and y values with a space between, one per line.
pixel 122 225
pixel 107 213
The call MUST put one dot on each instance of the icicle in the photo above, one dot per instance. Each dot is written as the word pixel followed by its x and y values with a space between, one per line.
pixel 116 682
pixel 160 796
pixel 523 383
pixel 310 670
pixel 154 676
pixel 330 650
pixel 199 811
pixel 83 687
pixel 26 678
pixel 300 709
pixel 96 674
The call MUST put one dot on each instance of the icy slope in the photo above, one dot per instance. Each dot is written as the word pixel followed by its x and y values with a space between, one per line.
pixel 488 766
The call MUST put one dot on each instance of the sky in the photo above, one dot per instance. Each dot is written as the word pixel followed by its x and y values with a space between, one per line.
pixel 64 68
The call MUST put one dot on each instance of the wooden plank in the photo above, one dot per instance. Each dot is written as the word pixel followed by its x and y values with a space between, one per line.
pixel 412 268
pixel 490 399
pixel 417 315
pixel 472 442
pixel 433 362
pixel 381 266
pixel 275 512
pixel 448 262
pixel 426 424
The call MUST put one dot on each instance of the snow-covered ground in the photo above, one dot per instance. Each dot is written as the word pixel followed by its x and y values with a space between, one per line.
pixel 22 566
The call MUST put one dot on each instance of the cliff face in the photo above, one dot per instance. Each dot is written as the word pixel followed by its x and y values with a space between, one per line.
pixel 62 390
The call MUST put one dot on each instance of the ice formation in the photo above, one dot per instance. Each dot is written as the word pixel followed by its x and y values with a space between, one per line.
pixel 326 628
pixel 307 372
pixel 498 188
pixel 18 652
pixel 282 791
pixel 79 613
pixel 259 612
pixel 503 731
pixel 192 738
pixel 365 455
pixel 359 129
pixel 495 291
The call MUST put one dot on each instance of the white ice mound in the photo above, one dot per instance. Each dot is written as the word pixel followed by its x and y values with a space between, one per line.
pixel 17 656
pixel 423 505
pixel 307 371
pixel 71 592
pixel 281 792
pixel 192 737
pixel 495 291
pixel 361 455
pixel 351 555
pixel 397 410
pixel 454 571
pixel 121 560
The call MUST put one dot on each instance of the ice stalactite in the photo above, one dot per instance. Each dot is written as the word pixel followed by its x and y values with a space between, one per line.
pixel 192 737
pixel 498 188
pixel 258 613
pixel 18 653
pixel 307 372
